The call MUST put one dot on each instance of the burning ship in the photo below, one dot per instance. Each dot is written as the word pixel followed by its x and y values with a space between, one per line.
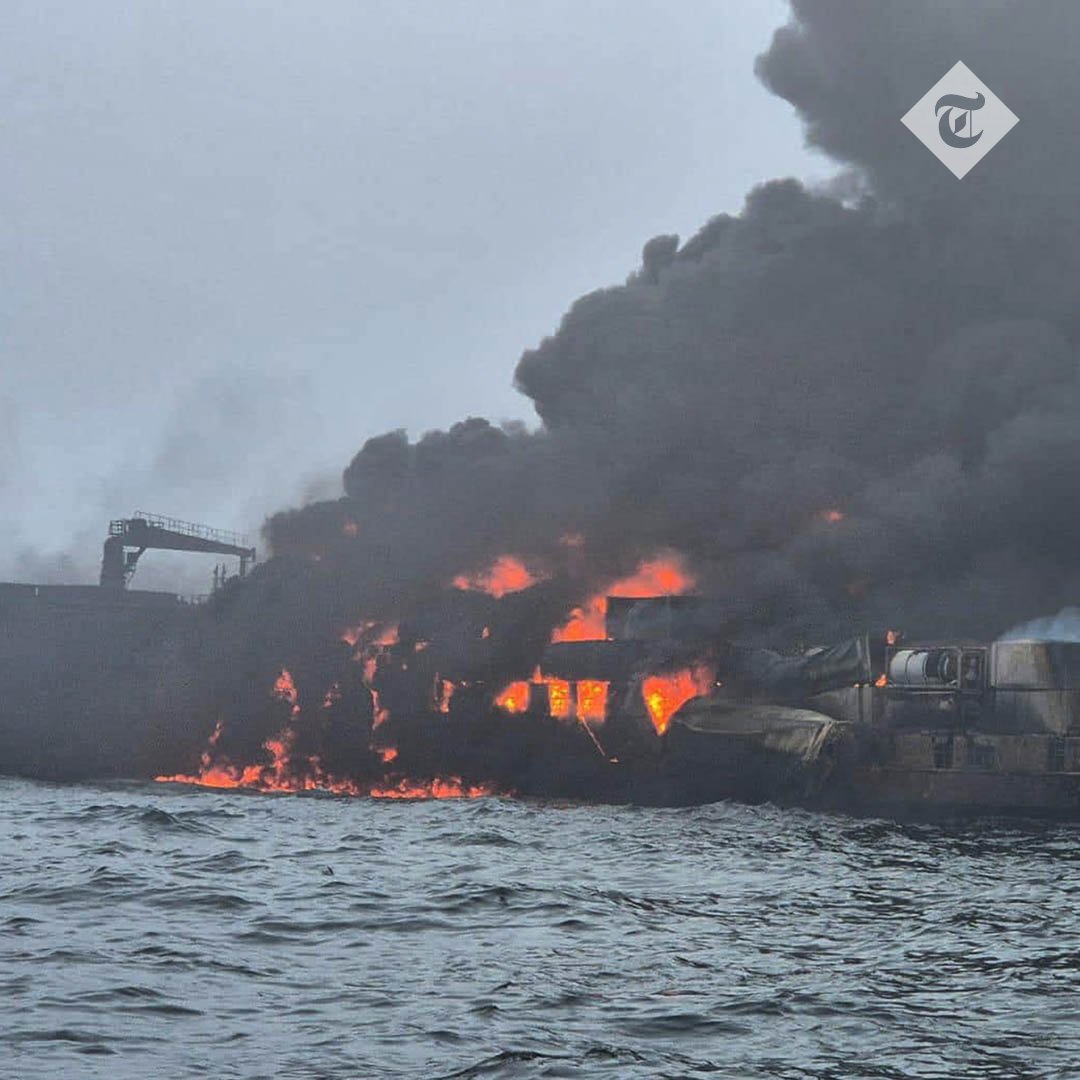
pixel 662 711
pixel 845 405
pixel 640 695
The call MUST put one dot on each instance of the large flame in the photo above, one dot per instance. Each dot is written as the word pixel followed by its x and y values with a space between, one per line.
pixel 664 695
pixel 284 772
pixel 507 574
pixel 664 575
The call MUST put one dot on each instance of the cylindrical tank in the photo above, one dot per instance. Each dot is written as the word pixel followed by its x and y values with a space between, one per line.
pixel 923 667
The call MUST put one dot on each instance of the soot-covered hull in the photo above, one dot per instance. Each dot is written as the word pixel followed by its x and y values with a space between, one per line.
pixel 752 753
pixel 99 683
pixel 83 678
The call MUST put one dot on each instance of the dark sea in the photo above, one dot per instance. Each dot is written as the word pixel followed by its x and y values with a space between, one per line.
pixel 151 930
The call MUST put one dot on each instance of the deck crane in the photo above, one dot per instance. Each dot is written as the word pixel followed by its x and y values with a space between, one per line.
pixel 130 537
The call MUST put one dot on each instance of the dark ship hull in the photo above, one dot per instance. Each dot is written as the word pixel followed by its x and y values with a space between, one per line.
pixel 83 678
pixel 98 683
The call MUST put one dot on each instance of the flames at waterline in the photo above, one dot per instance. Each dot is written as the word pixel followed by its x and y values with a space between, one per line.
pixel 283 774
pixel 286 772
pixel 308 752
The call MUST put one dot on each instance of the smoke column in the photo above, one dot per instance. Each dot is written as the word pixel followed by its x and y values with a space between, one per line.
pixel 846 407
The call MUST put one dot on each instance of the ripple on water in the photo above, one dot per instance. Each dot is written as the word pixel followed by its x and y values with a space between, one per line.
pixel 188 933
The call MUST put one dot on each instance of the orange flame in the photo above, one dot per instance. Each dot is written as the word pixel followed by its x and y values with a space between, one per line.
pixel 273 778
pixel 592 697
pixel 285 690
pixel 450 787
pixel 277 775
pixel 283 773
pixel 882 680
pixel 664 695
pixel 833 517
pixel 351 635
pixel 379 714
pixel 558 697
pixel 588 703
pixel 351 529
pixel 507 574
pixel 663 576
pixel 446 692
pixel 515 698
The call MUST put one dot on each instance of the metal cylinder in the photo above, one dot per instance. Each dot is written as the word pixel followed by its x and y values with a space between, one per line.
pixel 923 667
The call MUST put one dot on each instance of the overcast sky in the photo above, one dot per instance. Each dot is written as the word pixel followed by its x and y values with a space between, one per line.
pixel 240 238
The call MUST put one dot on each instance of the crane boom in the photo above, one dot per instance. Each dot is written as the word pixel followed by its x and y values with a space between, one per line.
pixel 130 537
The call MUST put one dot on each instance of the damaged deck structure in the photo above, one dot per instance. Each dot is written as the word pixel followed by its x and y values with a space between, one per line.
pixel 492 687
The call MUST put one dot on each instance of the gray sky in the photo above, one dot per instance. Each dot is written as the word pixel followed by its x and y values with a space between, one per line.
pixel 240 238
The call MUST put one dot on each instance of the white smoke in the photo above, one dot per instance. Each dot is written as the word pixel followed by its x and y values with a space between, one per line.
pixel 1064 626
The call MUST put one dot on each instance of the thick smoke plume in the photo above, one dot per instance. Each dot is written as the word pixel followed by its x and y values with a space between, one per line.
pixel 902 353
pixel 843 408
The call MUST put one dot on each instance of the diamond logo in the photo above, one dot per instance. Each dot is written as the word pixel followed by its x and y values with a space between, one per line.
pixel 959 120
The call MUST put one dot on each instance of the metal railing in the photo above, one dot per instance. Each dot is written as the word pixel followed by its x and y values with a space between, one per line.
pixel 185 528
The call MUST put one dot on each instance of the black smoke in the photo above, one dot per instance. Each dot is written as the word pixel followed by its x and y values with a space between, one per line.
pixel 846 407
pixel 900 347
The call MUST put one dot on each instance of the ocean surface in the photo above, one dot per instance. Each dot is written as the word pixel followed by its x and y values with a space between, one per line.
pixel 150 930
